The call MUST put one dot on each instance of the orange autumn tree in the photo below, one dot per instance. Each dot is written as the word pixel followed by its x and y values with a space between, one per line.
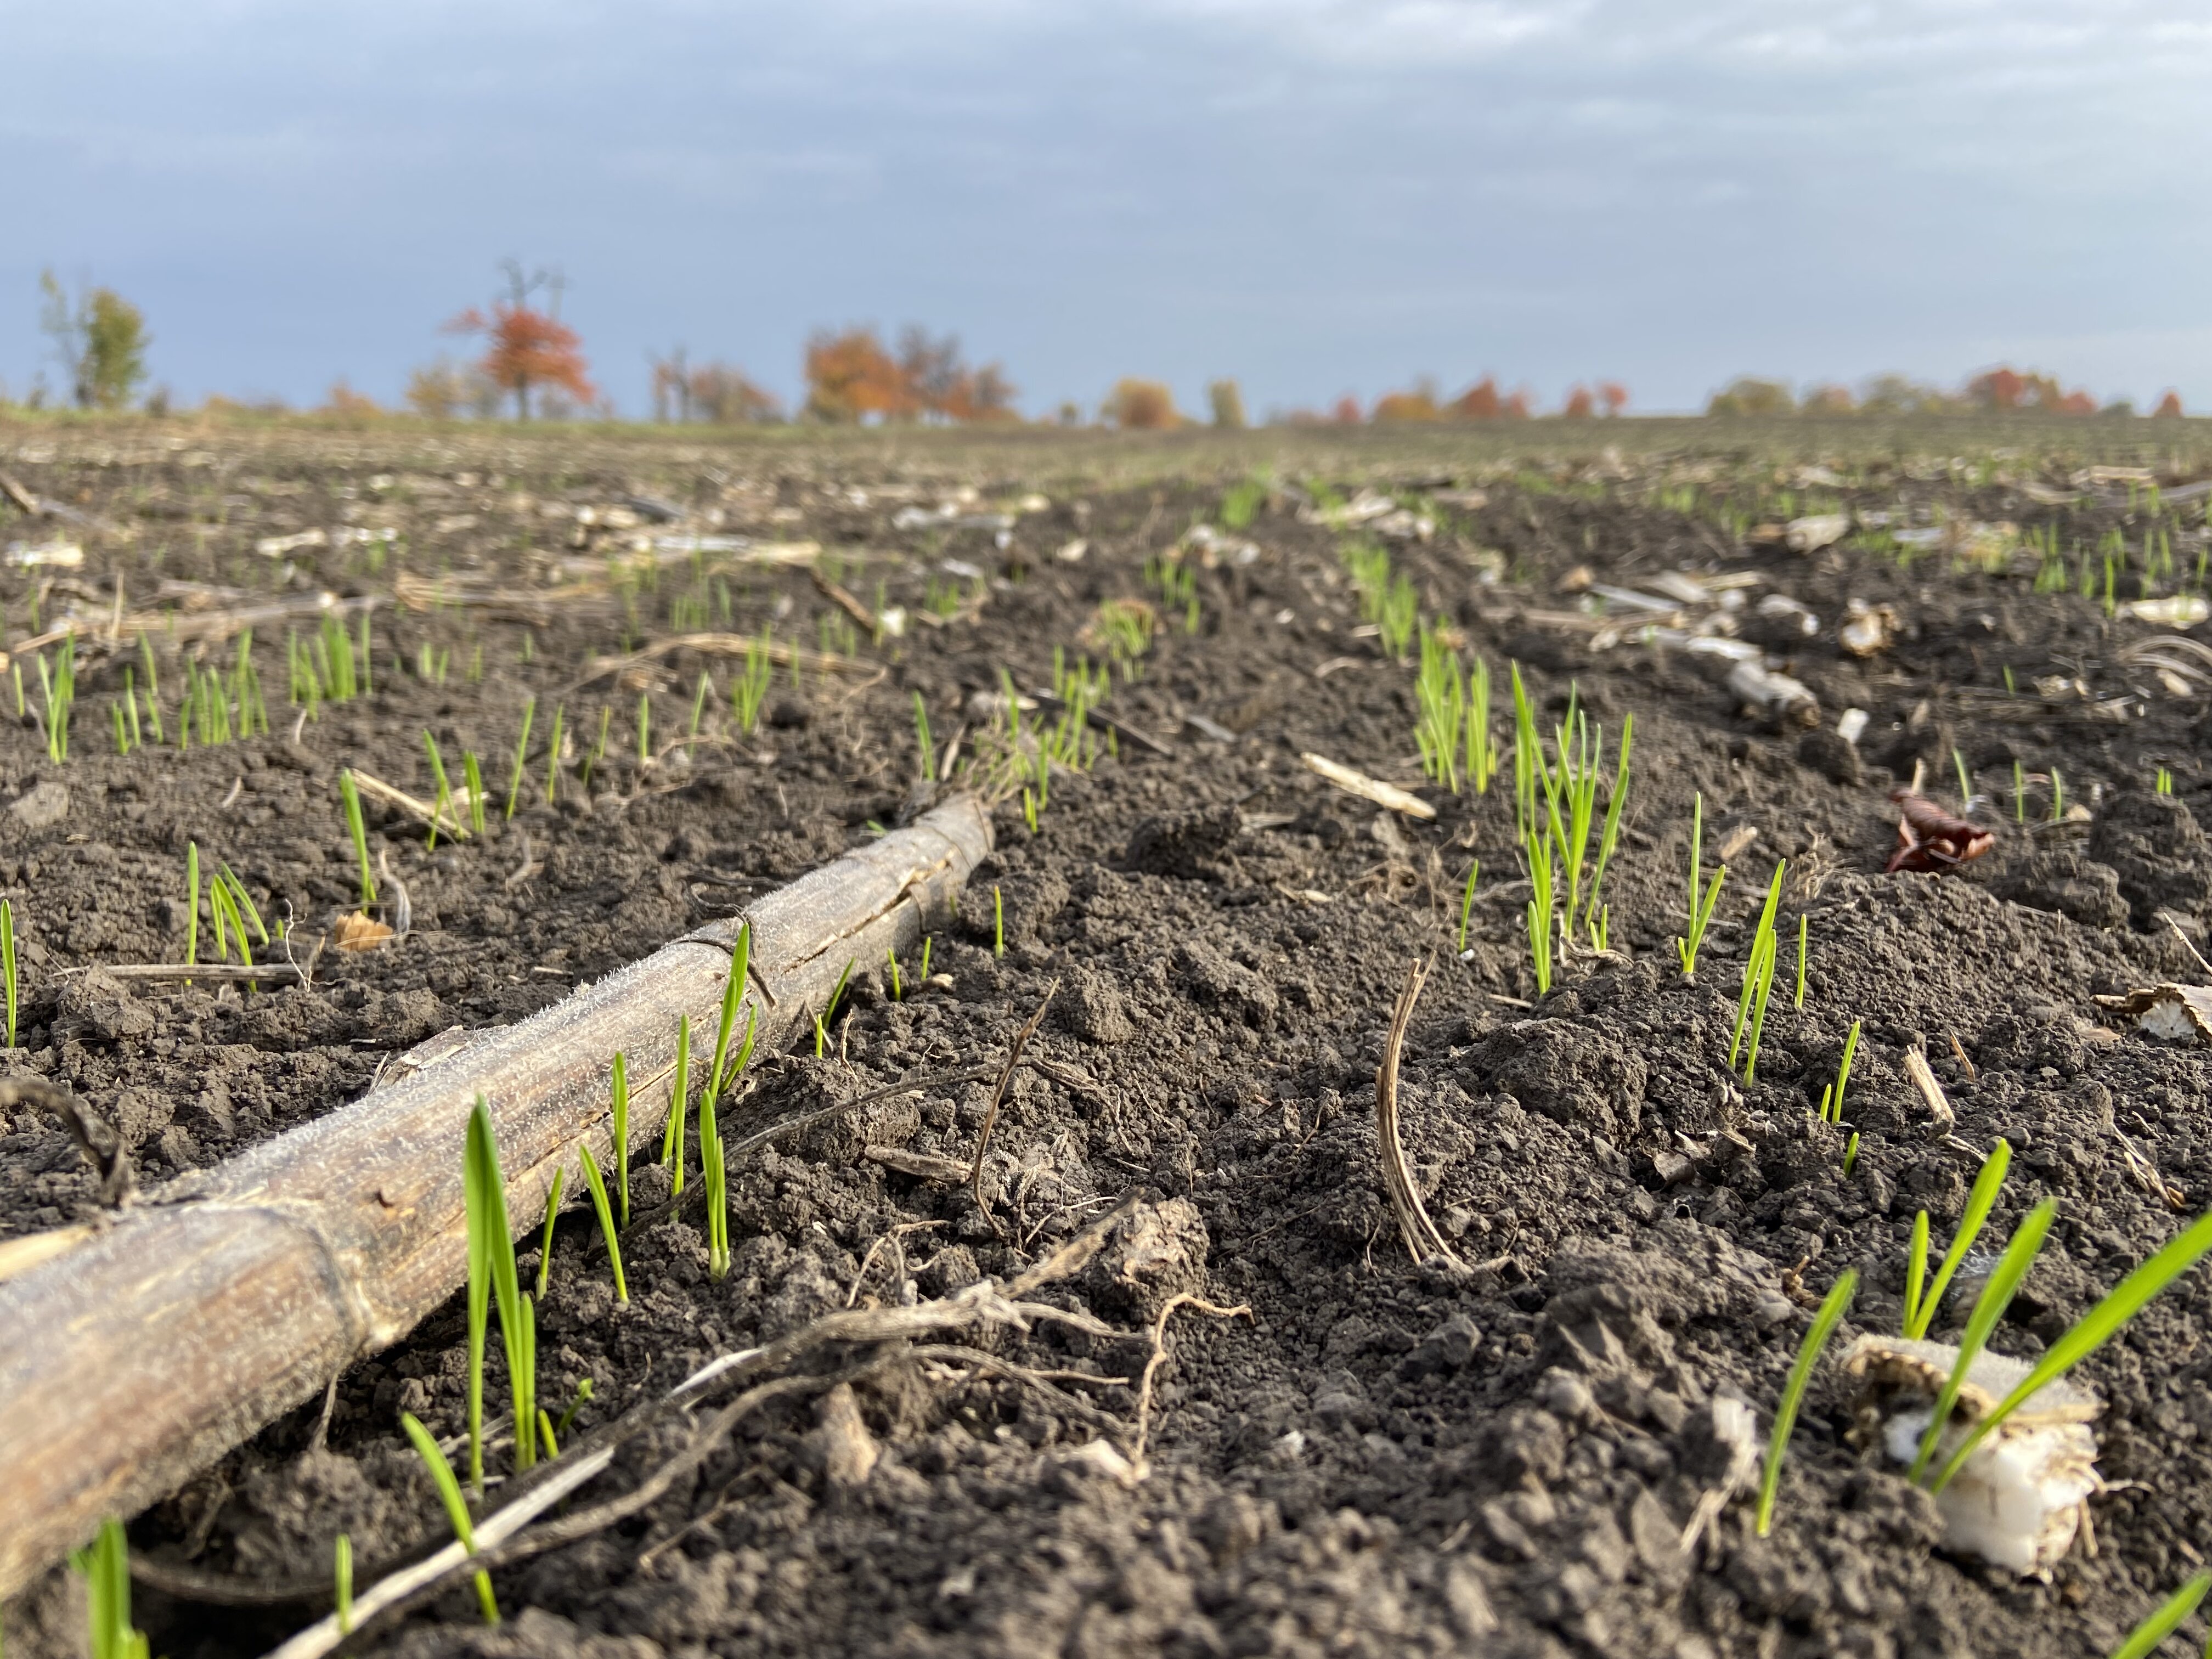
pixel 527 350
pixel 849 377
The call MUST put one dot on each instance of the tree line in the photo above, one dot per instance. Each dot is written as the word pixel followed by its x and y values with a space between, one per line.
pixel 532 366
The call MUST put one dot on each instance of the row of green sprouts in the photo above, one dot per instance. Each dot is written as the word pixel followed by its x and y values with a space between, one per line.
pixel 1943 1450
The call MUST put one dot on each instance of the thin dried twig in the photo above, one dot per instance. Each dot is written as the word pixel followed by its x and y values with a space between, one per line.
pixel 998 1099
pixel 1180 1300
pixel 1916 1067
pixel 500 1539
pixel 96 1137
pixel 444 822
pixel 729 645
pixel 1367 788
pixel 1422 1239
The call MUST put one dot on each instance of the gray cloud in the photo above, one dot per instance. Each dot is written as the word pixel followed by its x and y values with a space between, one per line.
pixel 1315 195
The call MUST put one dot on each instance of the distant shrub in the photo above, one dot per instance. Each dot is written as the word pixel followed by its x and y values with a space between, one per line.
pixel 1580 404
pixel 1418 405
pixel 1745 395
pixel 2169 407
pixel 1140 406
pixel 1228 404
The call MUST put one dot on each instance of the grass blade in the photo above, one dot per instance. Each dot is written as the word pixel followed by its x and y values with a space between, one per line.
pixel 2092 1330
pixel 2142 1641
pixel 1989 1307
pixel 457 1508
pixel 1978 1201
pixel 598 1183
pixel 1793 1391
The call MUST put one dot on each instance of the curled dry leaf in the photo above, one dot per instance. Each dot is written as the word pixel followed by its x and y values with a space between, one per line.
pixel 1931 840
pixel 358 932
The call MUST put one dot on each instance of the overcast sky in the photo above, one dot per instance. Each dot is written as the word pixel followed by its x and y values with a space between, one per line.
pixel 1315 196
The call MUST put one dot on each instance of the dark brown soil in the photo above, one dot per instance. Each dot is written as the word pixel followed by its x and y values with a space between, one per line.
pixel 1383 1458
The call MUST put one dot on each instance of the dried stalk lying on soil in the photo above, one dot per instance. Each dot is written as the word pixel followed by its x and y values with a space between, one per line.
pixel 984 1303
pixel 1422 1239
pixel 192 1320
pixel 728 645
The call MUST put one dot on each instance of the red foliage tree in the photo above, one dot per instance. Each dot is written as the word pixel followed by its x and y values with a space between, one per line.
pixel 1613 395
pixel 1997 388
pixel 1479 402
pixel 1580 405
pixel 2076 401
pixel 1516 407
pixel 527 350
pixel 1345 411
pixel 2169 406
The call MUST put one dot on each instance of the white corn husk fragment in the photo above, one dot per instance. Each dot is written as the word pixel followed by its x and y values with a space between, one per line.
pixel 2022 1498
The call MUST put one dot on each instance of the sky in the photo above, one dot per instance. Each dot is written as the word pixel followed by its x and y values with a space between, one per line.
pixel 1313 197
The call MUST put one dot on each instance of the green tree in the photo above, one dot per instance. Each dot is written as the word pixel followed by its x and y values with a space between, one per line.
pixel 101 340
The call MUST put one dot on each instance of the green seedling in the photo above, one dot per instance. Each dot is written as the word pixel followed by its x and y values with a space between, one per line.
pixel 1467 903
pixel 1997 1296
pixel 193 901
pixel 1440 701
pixel 618 1125
pixel 750 691
pixel 2089 1332
pixel 1609 838
pixel 598 749
pixel 1803 924
pixel 521 752
pixel 473 775
pixel 1481 754
pixel 443 798
pixel 998 923
pixel 829 1014
pixel 122 733
pixel 7 961
pixel 601 1203
pixel 898 986
pixel 1823 1327
pixel 1701 906
pixel 734 991
pixel 1538 852
pixel 1832 1098
pixel 1851 1154
pixel 342 1574
pixel 713 1172
pixel 645 728
pixel 545 1242
pixel 679 1106
pixel 492 1276
pixel 2057 796
pixel 699 701
pixel 1757 978
pixel 553 753
pixel 359 830
pixel 583 1398
pixel 2144 1640
pixel 2163 783
pixel 105 1564
pixel 1965 781
pixel 1916 1270
pixel 1920 1311
pixel 926 748
pixel 2019 795
pixel 456 1508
